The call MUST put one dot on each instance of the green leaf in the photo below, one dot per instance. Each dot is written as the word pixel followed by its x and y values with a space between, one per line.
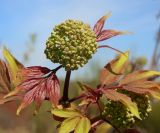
pixel 69 125
pixel 13 64
pixel 116 96
pixel 83 126
pixel 103 128
pixel 66 113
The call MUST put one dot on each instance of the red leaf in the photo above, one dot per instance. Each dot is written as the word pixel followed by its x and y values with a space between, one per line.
pixel 39 83
pixel 5 83
pixel 100 23
pixel 34 72
pixel 53 94
pixel 90 95
pixel 106 34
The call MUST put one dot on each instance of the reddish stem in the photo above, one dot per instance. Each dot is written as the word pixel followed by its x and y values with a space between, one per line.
pixel 106 46
pixel 76 98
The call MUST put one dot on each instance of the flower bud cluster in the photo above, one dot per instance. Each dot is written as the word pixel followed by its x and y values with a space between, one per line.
pixel 120 116
pixel 71 44
pixel 143 103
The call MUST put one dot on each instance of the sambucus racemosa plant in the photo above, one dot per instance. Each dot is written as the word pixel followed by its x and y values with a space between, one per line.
pixel 122 98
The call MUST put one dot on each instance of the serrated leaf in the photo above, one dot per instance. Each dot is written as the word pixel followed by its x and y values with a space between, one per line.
pixel 117 66
pixel 37 89
pixel 124 99
pixel 34 72
pixel 13 64
pixel 139 75
pixel 83 126
pixel 69 125
pixel 66 113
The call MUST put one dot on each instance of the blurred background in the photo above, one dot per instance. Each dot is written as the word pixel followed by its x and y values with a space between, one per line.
pixel 25 26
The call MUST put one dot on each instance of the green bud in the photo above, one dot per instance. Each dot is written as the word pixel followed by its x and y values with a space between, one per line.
pixel 73 40
pixel 120 116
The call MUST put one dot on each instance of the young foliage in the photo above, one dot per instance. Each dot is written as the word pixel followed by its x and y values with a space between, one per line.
pixel 120 98
pixel 74 121
pixel 8 76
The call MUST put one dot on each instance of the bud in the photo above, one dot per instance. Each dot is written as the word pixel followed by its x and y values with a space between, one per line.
pixel 71 44
pixel 120 116
pixel 143 103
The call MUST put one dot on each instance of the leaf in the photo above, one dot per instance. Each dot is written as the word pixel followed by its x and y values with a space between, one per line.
pixel 69 125
pixel 154 92
pixel 116 96
pixel 100 23
pixel 5 85
pixel 38 84
pixel 139 75
pixel 37 89
pixel 66 113
pixel 117 65
pixel 103 128
pixel 83 126
pixel 13 64
pixel 81 86
pixel 34 72
pixel 106 34
pixel 5 100
pixel 143 84
pixel 53 89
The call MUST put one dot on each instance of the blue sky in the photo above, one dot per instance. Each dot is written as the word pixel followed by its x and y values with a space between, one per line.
pixel 19 18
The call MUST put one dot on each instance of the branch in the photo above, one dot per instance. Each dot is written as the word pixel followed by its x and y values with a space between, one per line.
pixel 66 87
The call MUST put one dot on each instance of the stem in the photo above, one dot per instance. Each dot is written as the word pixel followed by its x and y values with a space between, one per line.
pixel 66 87
pixel 98 122
pixel 76 98
pixel 57 68
pixel 106 46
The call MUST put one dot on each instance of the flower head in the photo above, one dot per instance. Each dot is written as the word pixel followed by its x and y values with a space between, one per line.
pixel 71 44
